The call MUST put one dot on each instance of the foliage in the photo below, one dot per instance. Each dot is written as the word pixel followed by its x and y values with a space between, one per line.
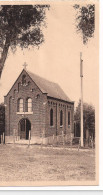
pixel 88 117
pixel 85 19
pixel 20 25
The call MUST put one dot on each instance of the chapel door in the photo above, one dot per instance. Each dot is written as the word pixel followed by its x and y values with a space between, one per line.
pixel 25 127
pixel 28 128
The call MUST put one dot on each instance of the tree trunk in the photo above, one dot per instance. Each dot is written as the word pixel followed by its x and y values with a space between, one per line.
pixel 4 55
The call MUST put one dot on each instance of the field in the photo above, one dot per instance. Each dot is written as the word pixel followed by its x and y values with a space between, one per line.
pixel 23 163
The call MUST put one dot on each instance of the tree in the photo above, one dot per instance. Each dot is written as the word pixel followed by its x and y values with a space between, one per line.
pixel 88 118
pixel 20 25
pixel 85 21
pixel 85 24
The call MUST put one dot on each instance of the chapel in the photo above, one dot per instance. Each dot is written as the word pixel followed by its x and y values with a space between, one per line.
pixel 37 108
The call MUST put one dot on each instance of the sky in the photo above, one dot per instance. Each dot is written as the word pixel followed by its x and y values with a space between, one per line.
pixel 58 58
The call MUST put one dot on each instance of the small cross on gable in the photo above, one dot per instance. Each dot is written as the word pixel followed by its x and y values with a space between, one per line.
pixel 25 65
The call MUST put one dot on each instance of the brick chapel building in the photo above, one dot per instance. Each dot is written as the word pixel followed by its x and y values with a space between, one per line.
pixel 38 106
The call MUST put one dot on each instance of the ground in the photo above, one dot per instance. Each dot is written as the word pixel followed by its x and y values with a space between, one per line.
pixel 23 163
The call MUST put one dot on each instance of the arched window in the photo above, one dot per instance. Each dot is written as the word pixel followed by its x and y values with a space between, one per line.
pixel 68 118
pixel 20 105
pixel 51 117
pixel 29 105
pixel 61 118
pixel 24 79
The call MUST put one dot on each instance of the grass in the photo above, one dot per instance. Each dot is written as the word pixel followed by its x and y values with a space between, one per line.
pixel 23 163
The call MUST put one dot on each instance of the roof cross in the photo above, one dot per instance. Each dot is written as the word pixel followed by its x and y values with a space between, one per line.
pixel 25 65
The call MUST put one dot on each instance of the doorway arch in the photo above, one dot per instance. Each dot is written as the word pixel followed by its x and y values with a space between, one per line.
pixel 24 127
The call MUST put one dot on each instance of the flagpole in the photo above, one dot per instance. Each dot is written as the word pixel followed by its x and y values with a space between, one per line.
pixel 81 75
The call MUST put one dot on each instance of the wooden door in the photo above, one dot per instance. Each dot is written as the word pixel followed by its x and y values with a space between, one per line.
pixel 23 129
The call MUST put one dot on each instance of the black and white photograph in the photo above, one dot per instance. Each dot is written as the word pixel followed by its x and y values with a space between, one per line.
pixel 49 93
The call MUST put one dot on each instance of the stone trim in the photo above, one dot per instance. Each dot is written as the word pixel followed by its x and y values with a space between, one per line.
pixel 24 112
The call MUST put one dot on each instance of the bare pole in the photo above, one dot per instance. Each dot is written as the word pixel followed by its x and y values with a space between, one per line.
pixel 81 75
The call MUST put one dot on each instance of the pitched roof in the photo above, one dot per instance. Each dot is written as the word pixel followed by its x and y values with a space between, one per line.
pixel 52 89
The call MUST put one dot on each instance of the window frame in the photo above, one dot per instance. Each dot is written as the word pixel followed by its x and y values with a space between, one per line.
pixel 61 118
pixel 69 118
pixel 51 117
pixel 19 105
pixel 29 105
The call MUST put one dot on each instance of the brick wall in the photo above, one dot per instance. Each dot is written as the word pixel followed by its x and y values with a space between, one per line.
pixel 40 116
pixel 57 106
pixel 37 119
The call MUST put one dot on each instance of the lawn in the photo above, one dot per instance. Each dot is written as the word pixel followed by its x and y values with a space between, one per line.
pixel 23 163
